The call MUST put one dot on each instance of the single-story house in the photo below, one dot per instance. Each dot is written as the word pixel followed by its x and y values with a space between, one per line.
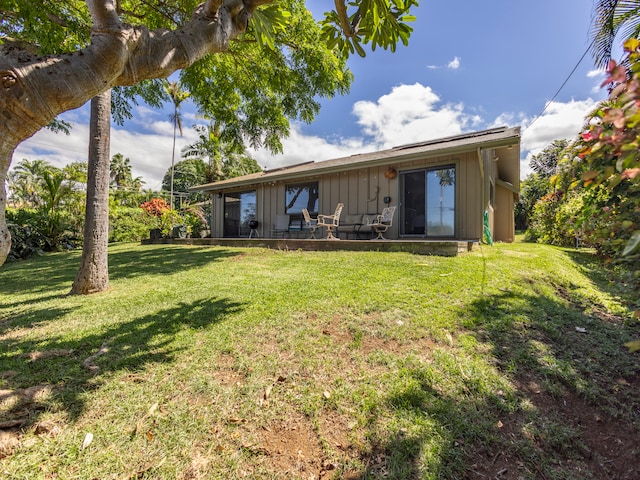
pixel 440 188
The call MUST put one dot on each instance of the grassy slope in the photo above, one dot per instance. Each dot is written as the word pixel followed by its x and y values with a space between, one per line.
pixel 226 363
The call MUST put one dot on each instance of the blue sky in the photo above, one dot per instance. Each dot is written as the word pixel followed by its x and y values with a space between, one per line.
pixel 470 65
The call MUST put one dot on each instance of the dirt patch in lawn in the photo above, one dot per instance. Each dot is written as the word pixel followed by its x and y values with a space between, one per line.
pixel 292 448
pixel 571 438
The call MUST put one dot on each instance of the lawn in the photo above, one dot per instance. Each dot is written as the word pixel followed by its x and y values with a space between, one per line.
pixel 221 363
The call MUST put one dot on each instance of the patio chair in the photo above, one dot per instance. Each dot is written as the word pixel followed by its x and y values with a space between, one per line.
pixel 331 221
pixel 311 223
pixel 281 226
pixel 383 222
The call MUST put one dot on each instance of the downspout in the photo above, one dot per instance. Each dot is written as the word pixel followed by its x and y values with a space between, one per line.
pixel 262 210
pixel 482 190
pixel 481 165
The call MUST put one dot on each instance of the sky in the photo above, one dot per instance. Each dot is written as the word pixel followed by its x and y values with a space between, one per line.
pixel 469 66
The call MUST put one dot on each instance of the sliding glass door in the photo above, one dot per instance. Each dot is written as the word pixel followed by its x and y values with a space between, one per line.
pixel 428 202
pixel 239 209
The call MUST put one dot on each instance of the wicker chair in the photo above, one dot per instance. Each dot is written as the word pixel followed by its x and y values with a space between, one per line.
pixel 311 223
pixel 383 222
pixel 331 221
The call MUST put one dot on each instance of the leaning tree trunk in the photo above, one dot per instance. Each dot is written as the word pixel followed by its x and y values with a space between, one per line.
pixel 93 275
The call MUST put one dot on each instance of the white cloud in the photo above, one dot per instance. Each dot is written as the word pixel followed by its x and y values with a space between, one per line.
pixel 149 149
pixel 559 121
pixel 454 64
pixel 299 148
pixel 411 113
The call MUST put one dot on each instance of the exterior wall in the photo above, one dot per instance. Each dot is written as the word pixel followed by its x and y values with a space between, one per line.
pixel 504 224
pixel 363 191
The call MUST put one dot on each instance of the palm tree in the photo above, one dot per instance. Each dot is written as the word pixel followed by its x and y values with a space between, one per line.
pixel 207 146
pixel 610 18
pixel 177 95
pixel 53 189
pixel 93 274
pixel 120 168
pixel 226 159
pixel 26 182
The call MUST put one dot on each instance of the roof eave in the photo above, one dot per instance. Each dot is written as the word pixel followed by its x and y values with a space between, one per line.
pixel 392 157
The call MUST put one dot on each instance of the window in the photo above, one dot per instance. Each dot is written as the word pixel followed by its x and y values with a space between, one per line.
pixel 299 196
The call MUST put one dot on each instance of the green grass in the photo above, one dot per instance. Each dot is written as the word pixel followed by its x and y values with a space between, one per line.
pixel 248 363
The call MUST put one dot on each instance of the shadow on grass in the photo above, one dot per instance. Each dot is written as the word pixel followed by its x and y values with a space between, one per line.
pixel 547 402
pixel 71 368
pixel 592 267
pixel 162 260
pixel 52 275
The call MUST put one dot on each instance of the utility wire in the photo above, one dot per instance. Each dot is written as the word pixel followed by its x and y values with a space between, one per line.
pixel 561 86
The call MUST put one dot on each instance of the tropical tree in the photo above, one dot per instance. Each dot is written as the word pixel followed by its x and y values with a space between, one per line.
pixel 177 95
pixel 25 182
pixel 185 174
pixel 612 17
pixel 225 159
pixel 120 172
pixel 538 184
pixel 93 274
pixel 77 50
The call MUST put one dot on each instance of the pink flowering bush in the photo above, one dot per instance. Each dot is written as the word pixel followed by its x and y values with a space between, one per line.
pixel 611 154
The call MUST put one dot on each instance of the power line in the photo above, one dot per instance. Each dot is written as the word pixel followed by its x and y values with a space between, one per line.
pixel 561 87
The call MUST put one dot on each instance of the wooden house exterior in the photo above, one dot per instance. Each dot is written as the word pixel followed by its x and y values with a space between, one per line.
pixel 441 189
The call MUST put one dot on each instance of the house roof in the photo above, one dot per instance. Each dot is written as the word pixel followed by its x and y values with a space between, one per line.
pixel 493 138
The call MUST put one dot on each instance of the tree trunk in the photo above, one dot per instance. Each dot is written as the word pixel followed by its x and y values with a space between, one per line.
pixel 93 275
pixel 5 236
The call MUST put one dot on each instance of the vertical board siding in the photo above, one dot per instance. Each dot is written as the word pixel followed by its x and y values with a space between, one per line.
pixel 363 190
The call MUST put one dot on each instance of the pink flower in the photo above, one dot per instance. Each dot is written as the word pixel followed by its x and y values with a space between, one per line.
pixel 586 136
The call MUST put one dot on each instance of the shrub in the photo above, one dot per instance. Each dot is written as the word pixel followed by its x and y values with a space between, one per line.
pixel 37 231
pixel 129 224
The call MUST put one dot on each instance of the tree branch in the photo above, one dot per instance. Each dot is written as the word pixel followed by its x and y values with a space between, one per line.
pixel 347 28
pixel 104 14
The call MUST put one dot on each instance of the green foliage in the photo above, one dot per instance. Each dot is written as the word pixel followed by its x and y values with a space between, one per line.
pixel 610 18
pixel 196 221
pixel 543 225
pixel 49 205
pixel 258 89
pixel 168 220
pixel 186 174
pixel 536 185
pixel 25 241
pixel 612 157
pixel 38 231
pixel 129 224
pixel 381 23
pixel 120 174
pixel 532 189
